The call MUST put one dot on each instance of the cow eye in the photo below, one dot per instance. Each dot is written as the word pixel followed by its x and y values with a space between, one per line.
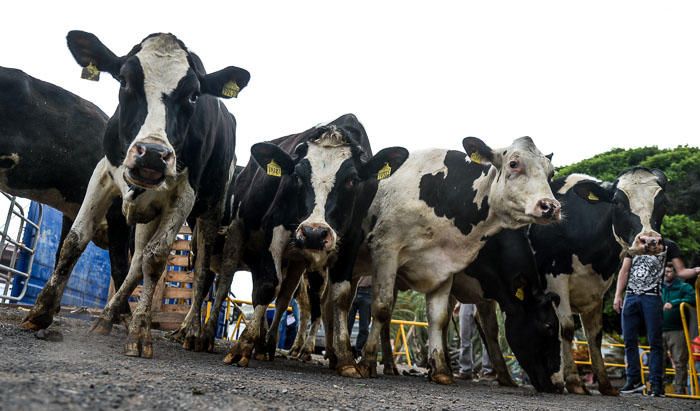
pixel 513 164
pixel 194 97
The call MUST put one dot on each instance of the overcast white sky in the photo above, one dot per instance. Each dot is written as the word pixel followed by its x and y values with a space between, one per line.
pixel 578 77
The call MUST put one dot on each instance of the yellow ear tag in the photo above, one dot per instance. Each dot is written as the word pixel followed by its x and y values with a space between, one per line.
pixel 520 294
pixel 384 172
pixel 90 73
pixel 593 197
pixel 230 89
pixel 274 169
pixel 475 158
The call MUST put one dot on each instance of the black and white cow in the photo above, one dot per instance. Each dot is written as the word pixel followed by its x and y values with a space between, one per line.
pixel 580 256
pixel 169 154
pixel 431 219
pixel 298 207
pixel 42 124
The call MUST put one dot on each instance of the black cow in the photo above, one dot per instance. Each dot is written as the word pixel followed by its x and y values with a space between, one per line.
pixel 297 207
pixel 429 222
pixel 40 125
pixel 505 271
pixel 169 153
pixel 580 256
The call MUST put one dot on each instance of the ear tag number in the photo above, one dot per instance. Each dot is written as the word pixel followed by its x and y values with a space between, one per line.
pixel 274 169
pixel 384 172
pixel 90 72
pixel 475 158
pixel 520 294
pixel 593 197
pixel 230 89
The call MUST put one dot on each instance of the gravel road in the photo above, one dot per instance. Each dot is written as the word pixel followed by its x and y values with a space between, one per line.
pixel 83 371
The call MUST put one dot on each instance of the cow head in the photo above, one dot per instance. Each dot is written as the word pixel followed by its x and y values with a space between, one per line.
pixel 532 331
pixel 322 180
pixel 162 84
pixel 520 193
pixel 638 206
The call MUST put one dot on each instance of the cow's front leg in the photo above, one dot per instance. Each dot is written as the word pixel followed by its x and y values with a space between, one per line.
pixel 317 290
pixel 287 288
pixel 340 301
pixel 439 313
pixel 488 321
pixel 112 312
pixel 230 260
pixel 159 235
pixel 593 325
pixel 100 194
pixel 302 297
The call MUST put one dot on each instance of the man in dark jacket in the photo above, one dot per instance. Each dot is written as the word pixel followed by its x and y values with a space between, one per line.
pixel 674 292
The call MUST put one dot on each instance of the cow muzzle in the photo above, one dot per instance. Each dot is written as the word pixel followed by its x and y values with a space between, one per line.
pixel 148 164
pixel 315 236
pixel 547 210
pixel 649 243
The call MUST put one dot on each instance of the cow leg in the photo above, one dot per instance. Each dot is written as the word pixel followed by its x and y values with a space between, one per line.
pixel 100 193
pixel 488 322
pixel 302 296
pixel 593 325
pixel 118 234
pixel 439 312
pixel 327 316
pixel 387 349
pixel 160 234
pixel 316 293
pixel 289 284
pixel 383 284
pixel 568 374
pixel 111 313
pixel 230 260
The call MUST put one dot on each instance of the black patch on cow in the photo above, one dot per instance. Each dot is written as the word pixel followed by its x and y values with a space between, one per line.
pixel 452 196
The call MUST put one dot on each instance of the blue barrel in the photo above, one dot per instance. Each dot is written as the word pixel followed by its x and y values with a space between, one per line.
pixel 88 285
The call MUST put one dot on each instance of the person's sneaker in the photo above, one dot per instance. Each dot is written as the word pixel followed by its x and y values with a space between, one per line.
pixel 632 387
pixel 488 375
pixel 466 376
pixel 658 391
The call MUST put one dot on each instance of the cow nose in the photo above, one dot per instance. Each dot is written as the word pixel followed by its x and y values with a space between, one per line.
pixel 548 208
pixel 152 156
pixel 649 242
pixel 314 237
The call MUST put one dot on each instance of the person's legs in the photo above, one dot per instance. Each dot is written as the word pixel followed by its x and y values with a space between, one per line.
pixel 679 352
pixel 631 319
pixel 486 366
pixel 466 329
pixel 364 307
pixel 652 308
pixel 351 317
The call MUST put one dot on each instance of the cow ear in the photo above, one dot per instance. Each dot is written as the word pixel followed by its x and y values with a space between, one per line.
pixel 87 50
pixel 663 180
pixel 480 153
pixel 384 163
pixel 594 192
pixel 272 159
pixel 225 83
pixel 549 156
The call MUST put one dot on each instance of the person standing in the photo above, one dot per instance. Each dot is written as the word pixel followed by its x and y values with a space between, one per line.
pixel 674 292
pixel 638 299
pixel 361 305
pixel 467 328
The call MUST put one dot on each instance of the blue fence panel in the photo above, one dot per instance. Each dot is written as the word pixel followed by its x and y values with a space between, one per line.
pixel 88 285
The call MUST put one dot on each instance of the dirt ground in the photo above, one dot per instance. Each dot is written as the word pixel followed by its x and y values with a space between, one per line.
pixel 90 372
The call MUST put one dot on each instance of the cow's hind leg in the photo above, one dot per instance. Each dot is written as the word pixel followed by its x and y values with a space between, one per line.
pixel 287 288
pixel 302 297
pixel 101 191
pixel 317 288
pixel 488 322
pixel 592 324
pixel 439 313
pixel 118 234
pixel 387 349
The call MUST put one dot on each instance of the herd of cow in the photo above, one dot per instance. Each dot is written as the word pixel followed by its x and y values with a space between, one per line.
pixel 316 208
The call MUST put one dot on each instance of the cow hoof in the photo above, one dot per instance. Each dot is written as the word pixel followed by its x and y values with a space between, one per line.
pixel 101 327
pixel 261 357
pixel 243 362
pixel 304 357
pixel 368 369
pixel 442 379
pixel 295 352
pixel 349 371
pixel 138 349
pixel 506 382
pixel 36 322
pixel 30 326
pixel 391 370
pixel 577 389
pixel 609 390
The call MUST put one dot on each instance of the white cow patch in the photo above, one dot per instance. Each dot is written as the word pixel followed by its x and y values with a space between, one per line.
pixel 641 187
pixel 574 179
